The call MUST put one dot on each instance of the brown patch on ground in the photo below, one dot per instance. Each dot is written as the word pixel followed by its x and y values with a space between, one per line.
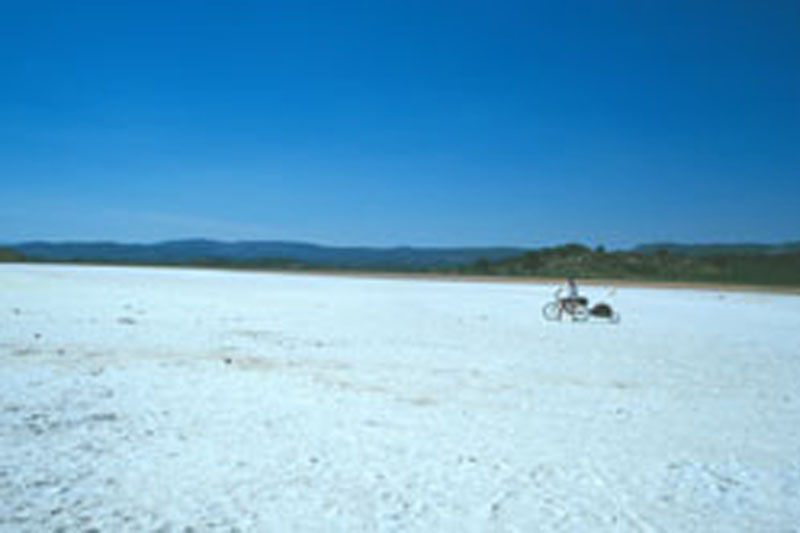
pixel 265 363
pixel 251 363
pixel 432 276
pixel 350 385
pixel 423 276
pixel 421 401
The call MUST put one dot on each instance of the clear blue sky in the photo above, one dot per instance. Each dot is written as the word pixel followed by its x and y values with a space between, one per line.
pixel 388 123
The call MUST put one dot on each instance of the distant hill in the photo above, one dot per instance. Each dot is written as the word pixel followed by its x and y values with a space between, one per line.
pixel 770 265
pixel 209 251
pixel 9 255
pixel 700 250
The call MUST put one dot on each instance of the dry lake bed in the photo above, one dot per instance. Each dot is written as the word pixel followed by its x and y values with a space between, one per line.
pixel 144 399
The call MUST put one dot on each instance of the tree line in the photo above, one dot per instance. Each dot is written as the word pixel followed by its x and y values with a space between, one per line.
pixel 570 260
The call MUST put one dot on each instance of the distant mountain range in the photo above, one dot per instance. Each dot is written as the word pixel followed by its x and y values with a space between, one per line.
pixel 198 250
pixel 759 264
pixel 297 254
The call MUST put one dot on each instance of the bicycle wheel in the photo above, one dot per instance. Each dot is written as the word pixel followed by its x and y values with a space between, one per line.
pixel 552 311
pixel 580 313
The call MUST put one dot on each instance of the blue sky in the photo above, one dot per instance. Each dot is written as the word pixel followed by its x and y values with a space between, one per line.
pixel 401 123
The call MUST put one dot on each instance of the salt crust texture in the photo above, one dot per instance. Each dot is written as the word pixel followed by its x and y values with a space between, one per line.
pixel 191 400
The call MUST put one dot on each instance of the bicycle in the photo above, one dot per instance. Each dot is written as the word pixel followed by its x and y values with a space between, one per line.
pixel 576 307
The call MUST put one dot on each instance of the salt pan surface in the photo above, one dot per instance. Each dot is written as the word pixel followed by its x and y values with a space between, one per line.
pixel 191 400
